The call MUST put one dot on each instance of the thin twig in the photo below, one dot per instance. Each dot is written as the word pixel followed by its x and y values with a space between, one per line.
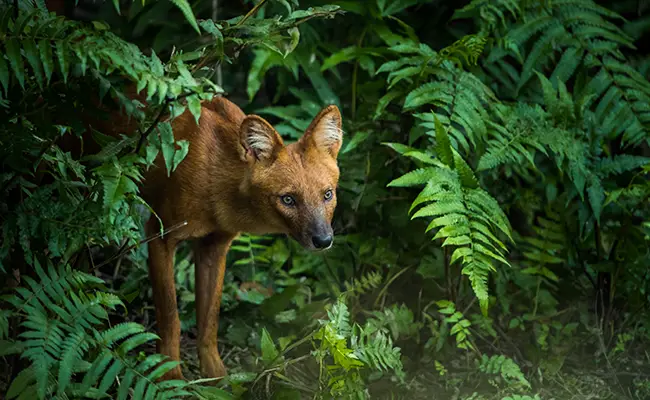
pixel 147 240
pixel 252 12
pixel 217 66
pixel 390 281
pixel 159 117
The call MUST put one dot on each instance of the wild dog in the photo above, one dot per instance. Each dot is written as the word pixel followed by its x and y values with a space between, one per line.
pixel 238 176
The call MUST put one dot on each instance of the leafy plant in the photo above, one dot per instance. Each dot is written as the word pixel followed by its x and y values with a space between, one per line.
pixel 524 125
pixel 466 216
pixel 367 347
pixel 63 316
pixel 505 367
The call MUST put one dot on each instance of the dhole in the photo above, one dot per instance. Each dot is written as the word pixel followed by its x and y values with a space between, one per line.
pixel 238 176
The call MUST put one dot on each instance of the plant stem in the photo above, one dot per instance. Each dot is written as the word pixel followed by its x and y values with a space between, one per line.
pixel 354 76
pixel 251 13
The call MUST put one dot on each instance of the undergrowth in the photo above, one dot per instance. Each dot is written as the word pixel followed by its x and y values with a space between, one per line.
pixel 493 227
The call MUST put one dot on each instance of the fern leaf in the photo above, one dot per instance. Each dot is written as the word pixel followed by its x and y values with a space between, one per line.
pixel 134 341
pixel 540 23
pixel 339 317
pixel 96 370
pixel 185 7
pixel 504 366
pixel 378 352
pixel 15 60
pixel 596 195
pixel 443 145
pixel 448 208
pixel 21 383
pixel 467 177
pixel 111 375
pixel 33 58
pixel 414 178
pixel 74 348
pixel 64 60
pixel 568 64
pixel 4 74
pixel 365 283
pixel 126 384
pixel 539 53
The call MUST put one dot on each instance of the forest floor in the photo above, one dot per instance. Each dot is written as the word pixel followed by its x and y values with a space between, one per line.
pixel 577 377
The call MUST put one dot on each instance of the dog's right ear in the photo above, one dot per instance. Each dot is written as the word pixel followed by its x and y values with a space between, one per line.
pixel 260 141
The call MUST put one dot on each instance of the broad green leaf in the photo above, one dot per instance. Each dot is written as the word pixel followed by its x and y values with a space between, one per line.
pixel 179 154
pixel 194 105
pixel 269 351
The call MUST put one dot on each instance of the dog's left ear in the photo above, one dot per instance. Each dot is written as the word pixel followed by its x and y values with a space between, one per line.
pixel 325 133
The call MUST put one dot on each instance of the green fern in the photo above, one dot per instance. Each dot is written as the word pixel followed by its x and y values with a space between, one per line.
pixel 465 216
pixel 250 250
pixel 505 367
pixel 557 132
pixel 68 349
pixel 56 47
pixel 547 247
pixel 459 324
pixel 377 351
pixel 458 97
pixel 516 142
pixel 490 13
pixel 364 284
pixel 367 348
pixel 398 320
pixel 565 39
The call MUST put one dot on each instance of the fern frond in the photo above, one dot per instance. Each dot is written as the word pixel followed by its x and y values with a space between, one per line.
pixel 398 320
pixel 459 98
pixel 505 367
pixel 624 109
pixel 460 107
pixel 339 318
pixel 376 350
pixel 55 46
pixel 586 39
pixel 547 247
pixel 465 216
pixel 365 283
pixel 619 164
pixel 64 341
pixel 489 13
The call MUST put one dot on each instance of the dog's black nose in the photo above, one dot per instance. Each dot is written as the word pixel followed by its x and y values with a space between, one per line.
pixel 322 241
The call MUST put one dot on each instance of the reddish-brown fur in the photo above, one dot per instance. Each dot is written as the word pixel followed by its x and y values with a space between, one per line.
pixel 223 187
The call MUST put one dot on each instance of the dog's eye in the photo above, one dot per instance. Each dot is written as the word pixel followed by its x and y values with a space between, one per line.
pixel 288 200
pixel 328 195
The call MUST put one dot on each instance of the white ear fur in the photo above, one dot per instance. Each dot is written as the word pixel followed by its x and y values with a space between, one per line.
pixel 259 137
pixel 326 130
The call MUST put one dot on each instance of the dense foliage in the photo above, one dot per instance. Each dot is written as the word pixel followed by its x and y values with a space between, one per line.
pixel 493 226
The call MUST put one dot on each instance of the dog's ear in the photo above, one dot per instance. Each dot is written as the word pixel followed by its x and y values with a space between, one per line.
pixel 325 132
pixel 259 139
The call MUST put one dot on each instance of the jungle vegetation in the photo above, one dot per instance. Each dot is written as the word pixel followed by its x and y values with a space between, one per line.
pixel 493 226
